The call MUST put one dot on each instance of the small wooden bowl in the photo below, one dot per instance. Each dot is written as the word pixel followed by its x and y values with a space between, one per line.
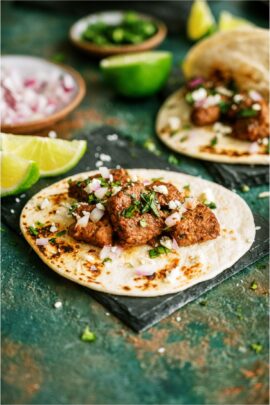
pixel 22 62
pixel 114 17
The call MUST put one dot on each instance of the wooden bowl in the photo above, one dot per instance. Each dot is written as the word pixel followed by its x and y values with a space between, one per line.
pixel 32 64
pixel 114 17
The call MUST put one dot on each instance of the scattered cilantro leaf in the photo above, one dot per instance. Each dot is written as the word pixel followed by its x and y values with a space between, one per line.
pixel 58 58
pixel 214 141
pixel 253 285
pixel 33 231
pixel 173 160
pixel 210 204
pixel 52 241
pixel 256 347
pixel 150 203
pixel 157 251
pixel 247 112
pixel 189 98
pixel 61 233
pixel 87 335
pixel 157 179
pixel 107 259
pixel 184 138
pixel 245 188
pixel 203 303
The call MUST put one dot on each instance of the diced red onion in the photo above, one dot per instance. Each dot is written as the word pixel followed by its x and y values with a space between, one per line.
pixel 175 244
pixel 145 270
pixel 101 192
pixel 192 84
pixel 105 172
pixel 172 219
pixel 254 95
pixel 83 221
pixel 42 241
pixel 96 214
pixel 253 148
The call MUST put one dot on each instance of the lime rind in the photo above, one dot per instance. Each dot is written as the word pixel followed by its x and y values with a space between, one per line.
pixel 228 21
pixel 30 174
pixel 200 21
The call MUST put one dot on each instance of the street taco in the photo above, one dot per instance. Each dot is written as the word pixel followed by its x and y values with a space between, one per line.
pixel 222 112
pixel 139 232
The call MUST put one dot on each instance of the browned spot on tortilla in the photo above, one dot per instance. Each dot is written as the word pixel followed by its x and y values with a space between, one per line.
pixel 23 215
pixel 126 288
pixel 227 152
pixel 192 271
pixel 20 369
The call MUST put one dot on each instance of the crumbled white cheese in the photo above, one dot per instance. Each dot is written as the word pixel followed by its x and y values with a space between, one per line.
pixel 173 204
pixel 258 228
pixel 174 123
pixel 265 141
pixel 222 129
pixel 212 100
pixel 264 194
pixel 134 178
pixel 105 158
pixel 225 92
pixel 237 98
pixel 99 163
pixel 45 203
pixel 199 94
pixel 178 318
pixel 161 189
pixel 112 137
pixel 173 275
pixel 58 304
pixel 256 107
pixel 53 228
pixel 207 195
pixel 17 200
pixel 166 242
pixel 52 134
pixel 161 350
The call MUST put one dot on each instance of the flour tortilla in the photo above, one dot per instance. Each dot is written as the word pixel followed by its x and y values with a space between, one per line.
pixel 195 141
pixel 183 268
pixel 243 53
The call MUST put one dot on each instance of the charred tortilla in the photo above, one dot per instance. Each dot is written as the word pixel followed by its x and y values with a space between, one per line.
pixel 122 270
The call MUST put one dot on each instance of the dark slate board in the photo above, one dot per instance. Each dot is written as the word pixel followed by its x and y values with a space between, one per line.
pixel 138 313
pixel 231 176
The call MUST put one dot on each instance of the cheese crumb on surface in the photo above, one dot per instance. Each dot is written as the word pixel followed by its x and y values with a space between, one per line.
pixel 45 203
pixel 112 137
pixel 174 123
pixel 105 158
pixel 17 200
pixel 161 350
pixel 99 163
pixel 264 194
pixel 52 134
pixel 178 318
pixel 161 189
pixel 58 304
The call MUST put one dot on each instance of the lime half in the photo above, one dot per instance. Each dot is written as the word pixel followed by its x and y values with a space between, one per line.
pixel 137 74
pixel 200 21
pixel 227 21
pixel 17 174
pixel 53 156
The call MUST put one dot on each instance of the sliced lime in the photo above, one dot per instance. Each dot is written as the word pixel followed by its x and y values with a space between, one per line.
pixel 200 21
pixel 227 21
pixel 17 174
pixel 53 156
pixel 137 74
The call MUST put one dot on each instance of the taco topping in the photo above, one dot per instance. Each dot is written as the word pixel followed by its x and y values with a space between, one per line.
pixel 139 213
pixel 218 101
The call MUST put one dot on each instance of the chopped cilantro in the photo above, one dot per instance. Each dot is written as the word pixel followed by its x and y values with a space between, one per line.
pixel 33 231
pixel 184 138
pixel 150 145
pixel 186 187
pixel 189 98
pixel 253 285
pixel 210 204
pixel 72 207
pixel 214 141
pixel 52 240
pixel 130 211
pixel 157 251
pixel 58 58
pixel 203 303
pixel 245 188
pixel 61 233
pixel 157 179
pixel 143 223
pixel 39 224
pixel 173 160
pixel 247 112
pixel 107 259
pixel 261 266
pixel 186 126
pixel 257 347
pixel 92 199
pixel 239 313
pixel 224 106
pixel 150 203
pixel 87 335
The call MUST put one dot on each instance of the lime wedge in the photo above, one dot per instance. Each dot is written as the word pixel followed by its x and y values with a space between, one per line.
pixel 17 174
pixel 137 74
pixel 53 156
pixel 200 21
pixel 227 21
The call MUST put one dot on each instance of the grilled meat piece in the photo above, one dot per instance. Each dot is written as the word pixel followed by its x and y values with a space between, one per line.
pixel 197 225
pixel 164 199
pixel 133 226
pixel 250 128
pixel 77 188
pixel 96 233
pixel 201 116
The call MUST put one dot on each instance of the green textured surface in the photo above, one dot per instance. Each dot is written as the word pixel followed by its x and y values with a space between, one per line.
pixel 207 358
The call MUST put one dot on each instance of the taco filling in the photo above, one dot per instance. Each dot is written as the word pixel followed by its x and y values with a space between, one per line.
pixel 218 100
pixel 111 208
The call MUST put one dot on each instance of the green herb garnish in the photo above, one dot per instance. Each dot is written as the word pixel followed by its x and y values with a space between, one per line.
pixel 214 141
pixel 157 179
pixel 224 107
pixel 33 231
pixel 150 203
pixel 189 98
pixel 72 208
pixel 130 211
pixel 143 223
pixel 247 112
pixel 253 285
pixel 157 251
pixel 107 259
pixel 210 204
pixel 52 240
pixel 87 335
pixel 186 187
pixel 173 160
pixel 203 303
pixel 39 224
pixel 61 233
pixel 245 188
pixel 257 347
pixel 184 138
